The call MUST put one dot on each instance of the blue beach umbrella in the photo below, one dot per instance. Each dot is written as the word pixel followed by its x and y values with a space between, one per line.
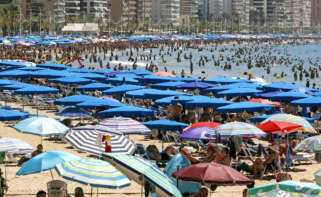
pixel 268 94
pixel 167 85
pixel 288 96
pixel 10 115
pixel 30 68
pixel 97 102
pixel 95 173
pixel 36 90
pixel 222 80
pixel 122 80
pixel 239 92
pixel 71 80
pixel 280 86
pixel 231 86
pixel 15 86
pixel 195 85
pixel 155 79
pixel 204 101
pixel 141 72
pixel 12 64
pixel 48 73
pixel 245 106
pixel 72 112
pixel 177 162
pixel 73 100
pixel 42 126
pixel 45 161
pixel 94 87
pixel 15 73
pixel 122 89
pixel 128 111
pixel 54 66
pixel 167 125
pixel 5 82
pixel 307 102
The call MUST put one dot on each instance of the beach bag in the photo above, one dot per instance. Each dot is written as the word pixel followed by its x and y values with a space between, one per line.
pixel 282 176
pixel 57 188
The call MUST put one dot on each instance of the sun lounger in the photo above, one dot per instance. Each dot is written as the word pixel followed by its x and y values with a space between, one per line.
pixel 303 157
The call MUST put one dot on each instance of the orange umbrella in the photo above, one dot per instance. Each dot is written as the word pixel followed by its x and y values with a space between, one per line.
pixel 164 74
pixel 278 127
pixel 265 101
pixel 202 124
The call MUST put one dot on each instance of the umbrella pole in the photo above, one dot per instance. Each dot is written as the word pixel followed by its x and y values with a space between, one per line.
pixel 91 191
pixel 97 191
pixel 51 175
pixel 142 188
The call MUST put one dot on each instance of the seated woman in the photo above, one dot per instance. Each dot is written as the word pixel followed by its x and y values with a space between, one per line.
pixel 33 154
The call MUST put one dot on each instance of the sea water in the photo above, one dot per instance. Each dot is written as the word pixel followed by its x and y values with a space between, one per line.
pixel 300 52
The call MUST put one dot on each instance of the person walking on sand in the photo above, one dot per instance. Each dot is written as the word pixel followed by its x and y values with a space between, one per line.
pixel 3 184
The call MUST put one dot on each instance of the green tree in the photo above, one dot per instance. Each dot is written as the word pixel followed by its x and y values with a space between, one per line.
pixel 9 19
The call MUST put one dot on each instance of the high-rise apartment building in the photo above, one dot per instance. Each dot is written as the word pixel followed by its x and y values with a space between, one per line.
pixel 316 12
pixel 166 12
pixel 242 9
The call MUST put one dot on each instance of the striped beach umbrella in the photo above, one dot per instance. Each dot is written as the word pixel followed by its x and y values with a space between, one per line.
pixel 89 141
pixel 285 188
pixel 14 146
pixel 95 173
pixel 125 125
pixel 306 126
pixel 311 144
pixel 236 129
pixel 142 170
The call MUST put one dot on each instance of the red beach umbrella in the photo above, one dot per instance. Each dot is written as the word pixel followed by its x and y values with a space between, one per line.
pixel 279 127
pixel 265 101
pixel 211 173
pixel 202 124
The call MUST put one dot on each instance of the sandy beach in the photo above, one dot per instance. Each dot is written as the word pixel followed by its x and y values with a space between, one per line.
pixel 29 185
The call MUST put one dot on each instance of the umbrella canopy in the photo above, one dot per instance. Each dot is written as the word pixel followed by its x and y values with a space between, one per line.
pixel 268 94
pixel 245 106
pixel 231 86
pixel 222 80
pixel 204 101
pixel 177 162
pixel 97 102
pixel 202 124
pixel 167 85
pixel 95 173
pixel 195 85
pixel 123 80
pixel 89 141
pixel 156 79
pixel 14 146
pixel 71 80
pixel 311 144
pixel 30 68
pixel 125 125
pixel 36 90
pixel 240 129
pixel 288 96
pixel 307 102
pixel 10 115
pixel 212 173
pixel 278 127
pixel 14 73
pixel 54 66
pixel 73 100
pixel 94 87
pixel 4 82
pixel 152 94
pixel 42 126
pixel 285 188
pixel 280 86
pixel 122 89
pixel 239 92
pixel 70 111
pixel 198 133
pixel 265 101
pixel 163 74
pixel 306 126
pixel 142 170
pixel 167 125
pixel 98 127
pixel 45 161
pixel 128 111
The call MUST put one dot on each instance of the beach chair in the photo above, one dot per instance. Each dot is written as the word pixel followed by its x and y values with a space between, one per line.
pixel 57 188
